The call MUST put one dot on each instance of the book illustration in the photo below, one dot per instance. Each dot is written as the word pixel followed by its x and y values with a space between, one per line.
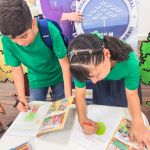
pixel 117 145
pixel 56 116
pixel 52 122
pixel 58 106
pixel 121 138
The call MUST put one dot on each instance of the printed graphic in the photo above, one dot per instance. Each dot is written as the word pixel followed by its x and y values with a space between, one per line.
pixel 110 17
pixel 52 122
pixel 58 107
pixel 56 116
pixel 121 138
pixel 117 145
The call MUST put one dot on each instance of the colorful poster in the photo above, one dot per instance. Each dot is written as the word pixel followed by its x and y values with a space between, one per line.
pixel 116 18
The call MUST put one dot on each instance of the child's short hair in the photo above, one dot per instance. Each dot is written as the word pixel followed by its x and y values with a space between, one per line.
pixel 15 17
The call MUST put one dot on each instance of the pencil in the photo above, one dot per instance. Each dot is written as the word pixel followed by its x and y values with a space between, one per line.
pixel 87 123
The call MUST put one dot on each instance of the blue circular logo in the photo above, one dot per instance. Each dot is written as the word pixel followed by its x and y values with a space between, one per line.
pixel 110 17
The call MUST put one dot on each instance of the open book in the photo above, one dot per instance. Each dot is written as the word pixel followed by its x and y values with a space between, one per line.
pixel 42 118
pixel 121 137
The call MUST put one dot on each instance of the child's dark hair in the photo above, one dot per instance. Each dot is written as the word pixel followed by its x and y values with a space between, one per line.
pixel 87 49
pixel 15 17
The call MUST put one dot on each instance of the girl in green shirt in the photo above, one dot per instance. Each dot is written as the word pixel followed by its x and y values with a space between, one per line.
pixel 95 57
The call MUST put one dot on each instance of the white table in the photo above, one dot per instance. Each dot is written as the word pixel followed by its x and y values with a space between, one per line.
pixel 60 139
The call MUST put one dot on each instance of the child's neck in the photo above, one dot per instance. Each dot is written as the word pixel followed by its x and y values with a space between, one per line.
pixel 113 62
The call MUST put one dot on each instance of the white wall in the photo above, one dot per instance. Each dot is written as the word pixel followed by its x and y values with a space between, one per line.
pixel 143 7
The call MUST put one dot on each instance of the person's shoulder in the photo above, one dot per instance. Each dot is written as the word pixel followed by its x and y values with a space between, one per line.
pixel 132 59
pixel 5 39
pixel 52 27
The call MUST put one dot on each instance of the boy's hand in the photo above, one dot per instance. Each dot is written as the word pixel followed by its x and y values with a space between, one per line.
pixel 23 106
pixel 141 134
pixel 88 126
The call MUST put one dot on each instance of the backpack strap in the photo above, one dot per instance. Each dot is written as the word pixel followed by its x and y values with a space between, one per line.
pixel 44 32
pixel 65 40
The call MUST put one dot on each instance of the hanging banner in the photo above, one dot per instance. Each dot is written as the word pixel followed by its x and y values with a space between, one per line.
pixel 116 18
pixel 54 10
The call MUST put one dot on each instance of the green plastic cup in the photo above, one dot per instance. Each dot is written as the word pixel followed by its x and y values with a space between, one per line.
pixel 101 128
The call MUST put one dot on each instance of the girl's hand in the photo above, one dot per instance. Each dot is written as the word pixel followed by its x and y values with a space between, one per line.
pixel 88 126
pixel 75 16
pixel 141 134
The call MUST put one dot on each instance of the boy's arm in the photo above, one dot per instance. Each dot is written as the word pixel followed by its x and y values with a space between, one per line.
pixel 66 76
pixel 139 130
pixel 19 83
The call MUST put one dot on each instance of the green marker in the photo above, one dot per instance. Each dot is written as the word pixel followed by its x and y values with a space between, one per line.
pixel 101 128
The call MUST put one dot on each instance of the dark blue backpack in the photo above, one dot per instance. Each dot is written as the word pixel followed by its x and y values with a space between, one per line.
pixel 45 33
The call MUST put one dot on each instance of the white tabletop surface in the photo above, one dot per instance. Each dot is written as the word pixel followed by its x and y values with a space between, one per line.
pixel 59 139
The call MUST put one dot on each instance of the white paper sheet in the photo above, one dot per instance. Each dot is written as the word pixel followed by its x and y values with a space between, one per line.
pixel 26 125
pixel 111 118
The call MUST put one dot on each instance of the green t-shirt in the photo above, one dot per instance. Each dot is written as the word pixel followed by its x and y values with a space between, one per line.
pixel 127 70
pixel 43 66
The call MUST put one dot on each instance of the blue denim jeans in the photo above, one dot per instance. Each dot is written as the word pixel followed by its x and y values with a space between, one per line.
pixel 40 94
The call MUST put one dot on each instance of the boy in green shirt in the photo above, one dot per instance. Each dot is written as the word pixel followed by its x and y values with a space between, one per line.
pixel 22 44
pixel 97 58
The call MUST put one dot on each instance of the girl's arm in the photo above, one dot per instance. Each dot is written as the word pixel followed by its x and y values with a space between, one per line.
pixel 82 112
pixel 80 103
pixel 139 132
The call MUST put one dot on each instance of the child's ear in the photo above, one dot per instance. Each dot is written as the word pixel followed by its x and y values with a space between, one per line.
pixel 33 22
pixel 106 53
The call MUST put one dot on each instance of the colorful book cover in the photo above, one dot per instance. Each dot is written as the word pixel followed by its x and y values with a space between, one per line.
pixel 121 137
pixel 56 116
